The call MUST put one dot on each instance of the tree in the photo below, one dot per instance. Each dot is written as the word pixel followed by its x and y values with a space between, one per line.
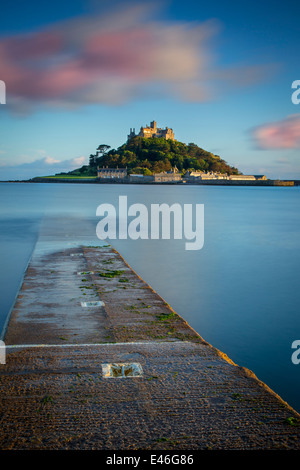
pixel 92 161
pixel 155 155
pixel 102 149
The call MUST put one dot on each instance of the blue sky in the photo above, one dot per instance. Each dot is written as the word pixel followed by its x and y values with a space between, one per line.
pixel 79 74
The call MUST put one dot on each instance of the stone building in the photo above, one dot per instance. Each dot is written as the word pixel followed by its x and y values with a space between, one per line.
pixel 153 131
pixel 215 175
pixel 167 176
pixel 206 175
pixel 111 173
pixel 242 177
pixel 260 177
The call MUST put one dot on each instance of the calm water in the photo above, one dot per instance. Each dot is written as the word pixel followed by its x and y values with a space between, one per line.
pixel 240 292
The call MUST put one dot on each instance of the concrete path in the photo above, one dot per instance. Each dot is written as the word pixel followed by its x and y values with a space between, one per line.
pixel 186 395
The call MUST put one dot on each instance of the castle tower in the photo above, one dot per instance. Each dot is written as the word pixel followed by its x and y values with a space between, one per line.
pixel 153 131
pixel 131 134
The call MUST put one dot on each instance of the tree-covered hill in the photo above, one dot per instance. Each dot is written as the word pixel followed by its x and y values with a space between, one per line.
pixel 153 155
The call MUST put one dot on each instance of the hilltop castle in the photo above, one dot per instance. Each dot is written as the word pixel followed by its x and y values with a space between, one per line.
pixel 153 131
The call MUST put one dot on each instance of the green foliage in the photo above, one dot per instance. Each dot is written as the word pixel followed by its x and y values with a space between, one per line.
pixel 292 421
pixel 85 170
pixel 158 154
pixel 111 274
pixel 153 155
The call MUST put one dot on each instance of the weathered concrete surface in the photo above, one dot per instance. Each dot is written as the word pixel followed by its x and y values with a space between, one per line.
pixel 190 396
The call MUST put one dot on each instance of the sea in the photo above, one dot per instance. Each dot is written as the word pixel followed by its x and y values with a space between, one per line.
pixel 240 291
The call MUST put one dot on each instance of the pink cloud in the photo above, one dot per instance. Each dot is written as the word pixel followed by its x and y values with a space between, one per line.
pixel 33 46
pixel 283 134
pixel 110 58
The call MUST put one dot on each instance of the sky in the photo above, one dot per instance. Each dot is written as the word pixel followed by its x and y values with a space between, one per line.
pixel 77 74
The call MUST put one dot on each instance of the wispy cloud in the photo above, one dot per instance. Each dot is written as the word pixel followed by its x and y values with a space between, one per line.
pixel 284 134
pixel 41 167
pixel 51 160
pixel 114 57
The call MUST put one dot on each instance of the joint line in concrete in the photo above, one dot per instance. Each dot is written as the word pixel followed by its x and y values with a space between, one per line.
pixel 83 345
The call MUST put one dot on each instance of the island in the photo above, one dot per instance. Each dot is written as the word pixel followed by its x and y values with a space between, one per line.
pixel 154 156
